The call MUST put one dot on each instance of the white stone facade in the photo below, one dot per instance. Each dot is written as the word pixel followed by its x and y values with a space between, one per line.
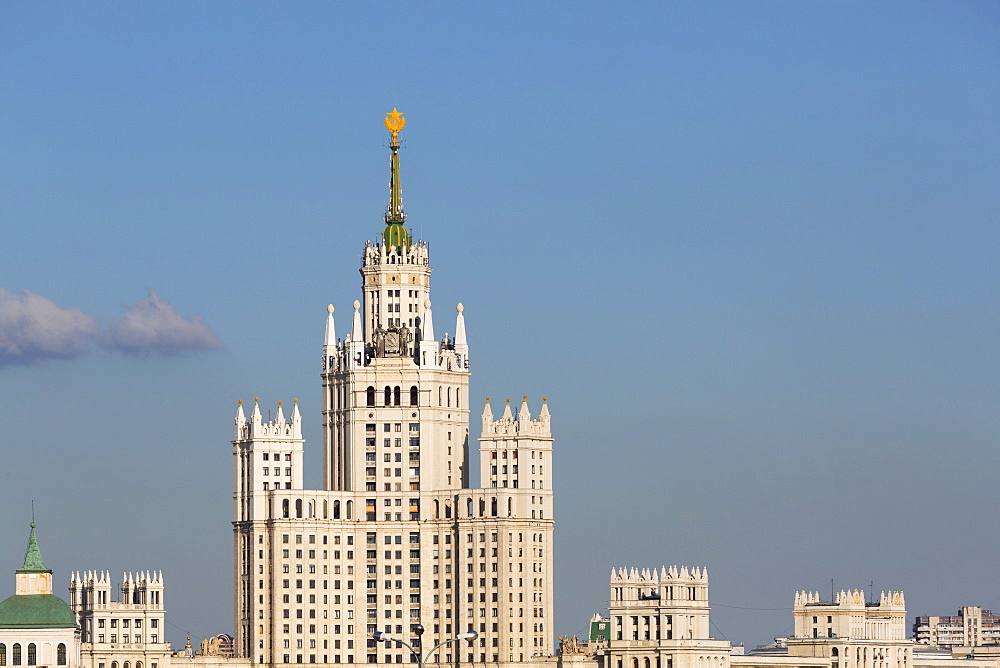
pixel 851 632
pixel 397 536
pixel 124 633
pixel 660 619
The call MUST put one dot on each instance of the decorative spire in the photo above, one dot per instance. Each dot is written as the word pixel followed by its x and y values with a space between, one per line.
pixel 33 556
pixel 427 324
pixel 356 334
pixel 395 233
pixel 330 339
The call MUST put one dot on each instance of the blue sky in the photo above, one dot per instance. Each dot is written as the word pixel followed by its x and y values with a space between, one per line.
pixel 748 251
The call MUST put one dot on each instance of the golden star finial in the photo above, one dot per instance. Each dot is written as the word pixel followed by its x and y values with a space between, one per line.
pixel 394 122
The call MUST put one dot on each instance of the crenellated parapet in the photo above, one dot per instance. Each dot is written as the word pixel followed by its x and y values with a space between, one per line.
pixel 850 616
pixel 277 429
pixel 523 425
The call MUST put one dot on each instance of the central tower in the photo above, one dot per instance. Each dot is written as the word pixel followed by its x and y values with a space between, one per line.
pixel 397 537
pixel 390 370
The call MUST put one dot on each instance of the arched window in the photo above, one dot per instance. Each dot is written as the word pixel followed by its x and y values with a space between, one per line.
pixel 125 665
pixel 284 508
pixel 32 657
pixel 413 395
pixel 510 506
pixel 350 510
pixel 388 395
pixel 835 651
pixel 646 662
pixel 635 663
pixel 458 398
pixel 437 509
pixel 336 510
pixel 312 509
pixel 395 396
pixel 493 507
pixel 370 395
pixel 3 654
pixel 326 509
pixel 16 654
pixel 298 508
pixel 114 664
pixel 482 507
pixel 449 396
pixel 138 664
pixel 447 511
pixel 470 507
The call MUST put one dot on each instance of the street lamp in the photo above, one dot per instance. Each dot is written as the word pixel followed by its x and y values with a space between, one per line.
pixel 384 636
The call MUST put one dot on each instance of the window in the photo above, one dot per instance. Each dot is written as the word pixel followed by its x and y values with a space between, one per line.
pixel 31 654
pixel 16 654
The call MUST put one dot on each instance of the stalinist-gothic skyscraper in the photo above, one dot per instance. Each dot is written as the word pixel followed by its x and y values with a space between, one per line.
pixel 396 537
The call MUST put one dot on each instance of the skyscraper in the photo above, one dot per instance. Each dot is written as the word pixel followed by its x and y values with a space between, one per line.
pixel 396 537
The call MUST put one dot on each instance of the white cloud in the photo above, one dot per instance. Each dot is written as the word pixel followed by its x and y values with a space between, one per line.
pixel 153 325
pixel 34 328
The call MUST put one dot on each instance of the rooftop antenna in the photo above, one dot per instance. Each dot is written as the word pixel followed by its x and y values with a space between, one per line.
pixel 833 595
pixel 871 589
pixel 32 511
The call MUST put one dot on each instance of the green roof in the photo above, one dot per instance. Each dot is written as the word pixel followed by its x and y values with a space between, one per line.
pixel 33 556
pixel 36 611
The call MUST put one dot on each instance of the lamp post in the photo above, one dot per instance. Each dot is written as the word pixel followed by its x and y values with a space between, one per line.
pixel 382 636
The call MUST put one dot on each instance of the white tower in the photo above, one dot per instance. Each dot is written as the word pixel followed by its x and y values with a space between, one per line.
pixel 396 537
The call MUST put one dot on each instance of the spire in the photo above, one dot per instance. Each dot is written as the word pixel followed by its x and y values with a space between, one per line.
pixel 296 415
pixel 507 415
pixel 460 326
pixel 330 340
pixel 255 416
pixel 356 335
pixel 524 415
pixel 427 324
pixel 279 417
pixel 33 556
pixel 395 233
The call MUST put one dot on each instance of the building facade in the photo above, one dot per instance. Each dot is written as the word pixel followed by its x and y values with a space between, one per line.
pixel 971 627
pixel 124 633
pixel 397 536
pixel 851 632
pixel 660 619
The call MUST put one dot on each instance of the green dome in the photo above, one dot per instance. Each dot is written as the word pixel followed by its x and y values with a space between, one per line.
pixel 36 611
pixel 396 234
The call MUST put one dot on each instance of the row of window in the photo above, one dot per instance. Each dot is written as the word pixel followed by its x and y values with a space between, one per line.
pixel 30 655
pixel 126 622
pixel 392 396
pixel 126 638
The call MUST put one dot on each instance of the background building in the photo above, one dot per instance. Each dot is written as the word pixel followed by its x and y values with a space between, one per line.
pixel 397 536
pixel 971 627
